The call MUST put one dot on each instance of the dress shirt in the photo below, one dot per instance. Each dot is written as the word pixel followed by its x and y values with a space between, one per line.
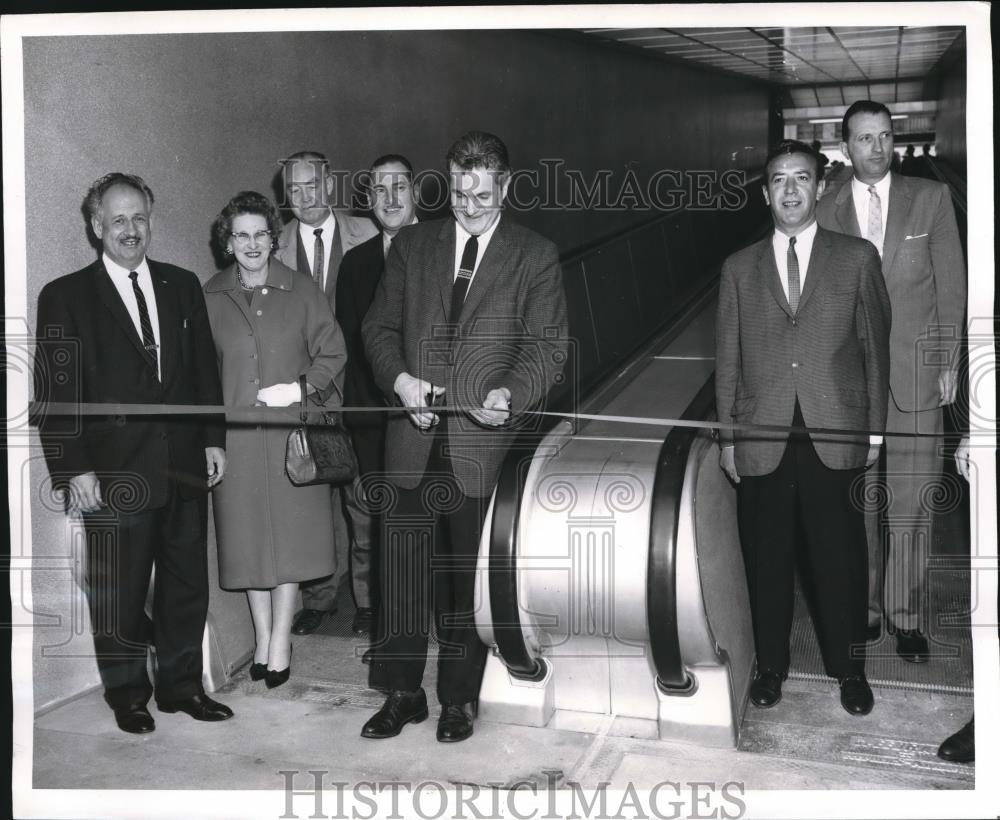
pixel 123 284
pixel 387 239
pixel 803 250
pixel 861 196
pixel 461 237
pixel 308 240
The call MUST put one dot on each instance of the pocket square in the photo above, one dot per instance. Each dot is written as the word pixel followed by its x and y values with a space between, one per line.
pixel 918 236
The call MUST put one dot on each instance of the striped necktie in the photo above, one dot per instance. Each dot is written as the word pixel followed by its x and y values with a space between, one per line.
pixel 318 258
pixel 148 340
pixel 461 286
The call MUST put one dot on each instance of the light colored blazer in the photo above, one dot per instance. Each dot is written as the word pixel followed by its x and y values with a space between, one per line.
pixel 924 273
pixel 352 231
pixel 513 333
pixel 832 354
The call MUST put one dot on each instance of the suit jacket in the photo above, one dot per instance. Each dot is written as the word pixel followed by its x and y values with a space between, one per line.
pixel 359 275
pixel 351 232
pixel 90 351
pixel 925 275
pixel 832 355
pixel 512 332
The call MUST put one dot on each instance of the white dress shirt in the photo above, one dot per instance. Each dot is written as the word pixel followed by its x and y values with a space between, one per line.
pixel 861 196
pixel 308 240
pixel 461 237
pixel 123 284
pixel 803 250
pixel 387 239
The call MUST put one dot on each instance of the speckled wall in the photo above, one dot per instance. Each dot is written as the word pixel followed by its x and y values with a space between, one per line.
pixel 201 116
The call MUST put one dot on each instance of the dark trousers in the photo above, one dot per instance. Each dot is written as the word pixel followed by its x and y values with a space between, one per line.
pixel 430 542
pixel 122 548
pixel 831 549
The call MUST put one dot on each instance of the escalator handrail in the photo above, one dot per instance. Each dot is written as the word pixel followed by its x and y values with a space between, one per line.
pixel 664 520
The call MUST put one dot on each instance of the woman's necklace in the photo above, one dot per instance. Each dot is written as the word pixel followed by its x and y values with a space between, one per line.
pixel 242 281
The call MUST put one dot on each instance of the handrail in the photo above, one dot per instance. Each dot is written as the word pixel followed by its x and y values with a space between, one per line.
pixel 664 520
pixel 625 233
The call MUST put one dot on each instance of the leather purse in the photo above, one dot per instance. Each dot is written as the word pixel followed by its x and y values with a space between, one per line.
pixel 319 453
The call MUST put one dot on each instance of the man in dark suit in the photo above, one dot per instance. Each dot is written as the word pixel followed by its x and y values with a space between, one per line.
pixel 802 340
pixel 911 222
pixel 126 329
pixel 393 203
pixel 314 243
pixel 470 313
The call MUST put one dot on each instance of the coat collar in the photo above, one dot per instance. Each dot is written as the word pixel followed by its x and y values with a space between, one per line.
pixel 900 198
pixel 165 308
pixel 279 276
pixel 767 269
pixel 495 260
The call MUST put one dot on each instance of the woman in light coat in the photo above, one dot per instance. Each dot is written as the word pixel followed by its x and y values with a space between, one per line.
pixel 271 325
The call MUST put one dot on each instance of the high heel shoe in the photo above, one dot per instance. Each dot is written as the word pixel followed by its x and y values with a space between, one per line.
pixel 258 671
pixel 275 677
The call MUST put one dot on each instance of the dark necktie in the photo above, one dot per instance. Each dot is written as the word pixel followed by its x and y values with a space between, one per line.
pixel 148 340
pixel 461 286
pixel 318 257
pixel 794 290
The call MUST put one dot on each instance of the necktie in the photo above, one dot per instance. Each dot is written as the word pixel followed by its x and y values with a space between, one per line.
pixel 318 259
pixel 148 340
pixel 794 288
pixel 875 218
pixel 461 286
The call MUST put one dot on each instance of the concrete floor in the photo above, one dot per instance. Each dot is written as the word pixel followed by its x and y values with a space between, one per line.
pixel 312 723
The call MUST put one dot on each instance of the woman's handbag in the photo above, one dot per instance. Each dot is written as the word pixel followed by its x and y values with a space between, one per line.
pixel 319 453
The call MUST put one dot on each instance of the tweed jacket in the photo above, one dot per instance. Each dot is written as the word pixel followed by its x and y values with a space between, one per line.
pixel 351 230
pixel 832 354
pixel 512 333
pixel 925 275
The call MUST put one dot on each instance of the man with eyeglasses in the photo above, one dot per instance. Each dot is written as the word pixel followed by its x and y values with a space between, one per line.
pixel 393 202
pixel 128 330
pixel 314 243
pixel 467 331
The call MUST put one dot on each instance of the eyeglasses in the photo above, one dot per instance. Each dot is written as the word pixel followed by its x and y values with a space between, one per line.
pixel 243 238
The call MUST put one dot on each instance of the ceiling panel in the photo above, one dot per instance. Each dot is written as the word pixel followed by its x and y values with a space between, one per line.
pixel 871 61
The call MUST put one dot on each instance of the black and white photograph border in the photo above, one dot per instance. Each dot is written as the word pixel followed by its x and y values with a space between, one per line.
pixel 53 665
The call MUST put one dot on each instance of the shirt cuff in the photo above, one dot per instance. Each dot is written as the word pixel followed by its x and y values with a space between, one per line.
pixel 875 440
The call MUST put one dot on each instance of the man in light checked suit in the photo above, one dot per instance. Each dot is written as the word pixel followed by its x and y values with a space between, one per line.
pixel 802 340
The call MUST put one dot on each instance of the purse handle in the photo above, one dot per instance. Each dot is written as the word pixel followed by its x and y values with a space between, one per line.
pixel 302 403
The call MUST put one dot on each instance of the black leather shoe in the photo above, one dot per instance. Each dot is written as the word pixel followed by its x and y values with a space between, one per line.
pixel 455 723
pixel 911 646
pixel 258 671
pixel 399 709
pixel 765 691
pixel 362 624
pixel 367 657
pixel 308 620
pixel 856 695
pixel 276 677
pixel 961 746
pixel 135 719
pixel 200 707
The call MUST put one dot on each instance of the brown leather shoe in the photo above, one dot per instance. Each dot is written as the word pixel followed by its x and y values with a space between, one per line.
pixel 455 723
pixel 399 709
